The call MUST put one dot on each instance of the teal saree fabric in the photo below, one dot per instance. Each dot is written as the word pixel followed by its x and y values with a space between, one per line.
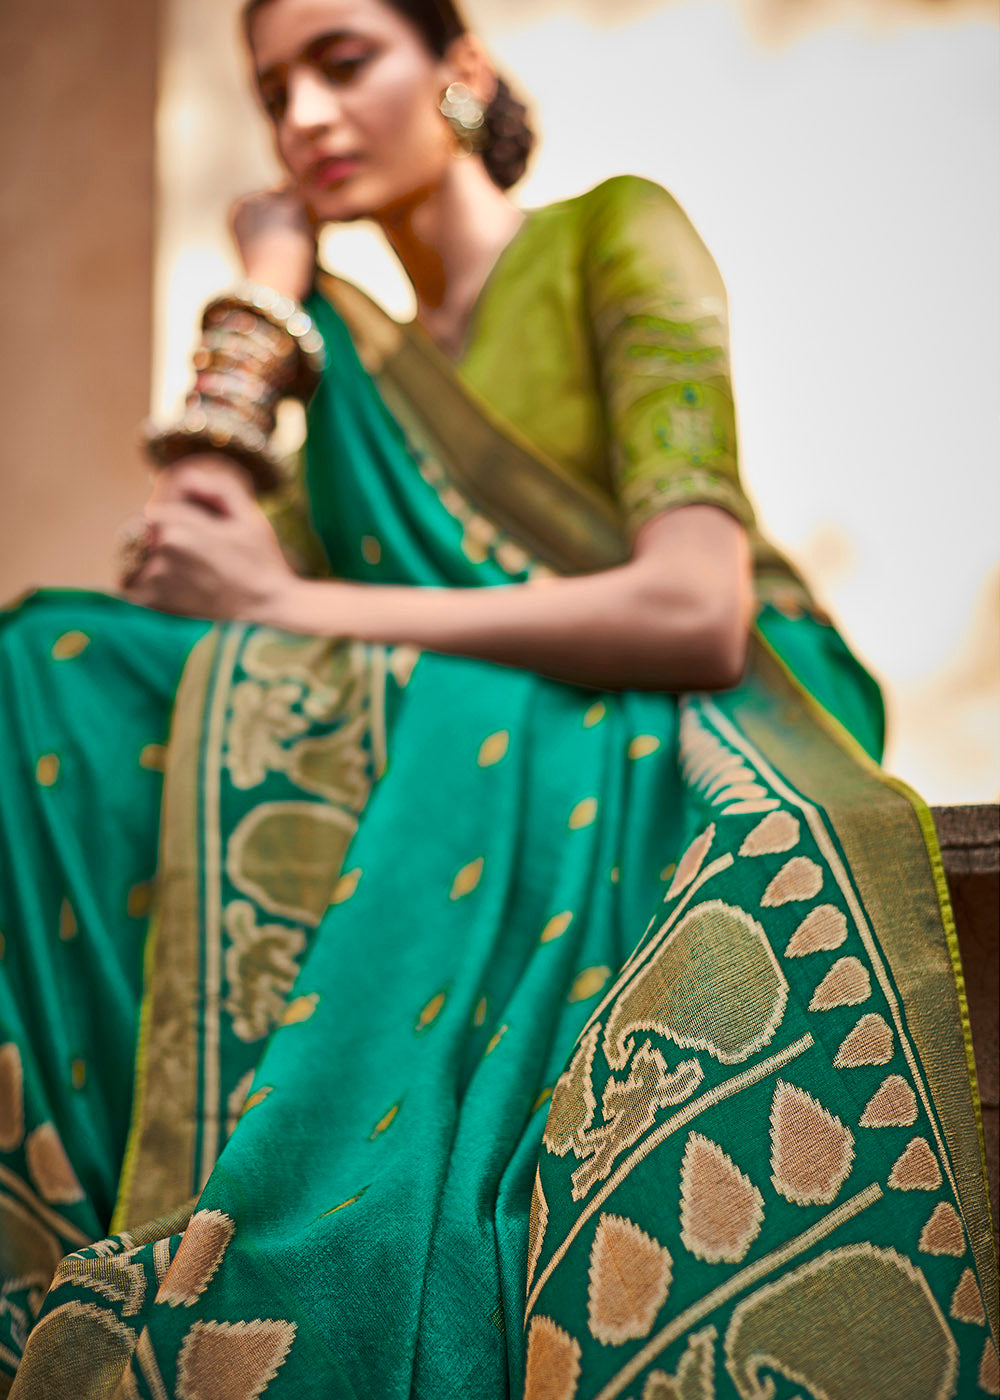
pixel 495 1036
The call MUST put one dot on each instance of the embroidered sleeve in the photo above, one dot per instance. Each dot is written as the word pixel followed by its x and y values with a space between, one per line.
pixel 658 311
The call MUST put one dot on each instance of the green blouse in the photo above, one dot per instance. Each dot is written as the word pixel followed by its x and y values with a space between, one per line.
pixel 601 334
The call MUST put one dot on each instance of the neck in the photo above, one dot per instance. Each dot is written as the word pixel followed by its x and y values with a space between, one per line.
pixel 448 240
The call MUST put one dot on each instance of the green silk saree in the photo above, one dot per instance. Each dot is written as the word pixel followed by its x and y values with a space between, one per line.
pixel 491 1035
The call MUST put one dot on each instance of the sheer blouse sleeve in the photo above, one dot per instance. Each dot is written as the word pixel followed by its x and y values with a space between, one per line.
pixel 658 312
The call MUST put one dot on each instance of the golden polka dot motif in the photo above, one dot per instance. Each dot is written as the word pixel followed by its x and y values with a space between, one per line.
pixel 595 714
pixel 299 1010
pixel 583 814
pixel 616 875
pixel 668 872
pixel 588 982
pixel 467 878
pixel 349 1202
pixel 479 1015
pixel 154 758
pixel 140 900
pixel 69 645
pixel 495 1040
pixel 384 1122
pixel 543 1097
pixel 345 887
pixel 643 745
pixel 492 750
pixel 431 1011
pixel 371 550
pixel 79 1073
pixel 47 769
pixel 68 928
pixel 256 1098
pixel 556 926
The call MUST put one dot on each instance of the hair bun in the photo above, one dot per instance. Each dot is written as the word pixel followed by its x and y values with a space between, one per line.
pixel 509 137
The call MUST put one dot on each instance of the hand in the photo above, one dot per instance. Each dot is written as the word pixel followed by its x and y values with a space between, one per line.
pixel 276 238
pixel 212 552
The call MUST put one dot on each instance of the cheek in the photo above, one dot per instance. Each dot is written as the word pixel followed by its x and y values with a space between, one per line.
pixel 400 117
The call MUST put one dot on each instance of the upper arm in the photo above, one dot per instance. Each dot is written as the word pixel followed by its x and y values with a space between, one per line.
pixel 659 319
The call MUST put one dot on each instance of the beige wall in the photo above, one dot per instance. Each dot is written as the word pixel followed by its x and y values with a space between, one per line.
pixel 77 94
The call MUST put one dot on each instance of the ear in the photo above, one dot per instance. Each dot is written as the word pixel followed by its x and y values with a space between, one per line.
pixel 466 61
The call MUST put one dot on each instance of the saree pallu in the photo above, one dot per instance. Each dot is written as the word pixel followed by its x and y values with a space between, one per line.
pixel 492 1035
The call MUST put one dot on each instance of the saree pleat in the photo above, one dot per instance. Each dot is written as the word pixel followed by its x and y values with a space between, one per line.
pixel 497 1036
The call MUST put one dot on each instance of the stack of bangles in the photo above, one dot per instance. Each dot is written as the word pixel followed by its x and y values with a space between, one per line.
pixel 258 347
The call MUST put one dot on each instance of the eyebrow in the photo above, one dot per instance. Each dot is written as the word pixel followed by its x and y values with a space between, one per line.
pixel 308 51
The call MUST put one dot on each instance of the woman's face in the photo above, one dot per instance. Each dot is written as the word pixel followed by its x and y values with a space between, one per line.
pixel 352 90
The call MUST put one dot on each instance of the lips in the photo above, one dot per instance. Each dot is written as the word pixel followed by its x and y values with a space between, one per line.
pixel 330 170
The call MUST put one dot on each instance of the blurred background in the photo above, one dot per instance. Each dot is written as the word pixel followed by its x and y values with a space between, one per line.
pixel 841 158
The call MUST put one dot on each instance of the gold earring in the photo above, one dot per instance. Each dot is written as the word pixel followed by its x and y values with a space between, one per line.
pixel 465 113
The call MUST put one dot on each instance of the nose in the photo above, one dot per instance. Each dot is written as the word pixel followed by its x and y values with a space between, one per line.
pixel 310 105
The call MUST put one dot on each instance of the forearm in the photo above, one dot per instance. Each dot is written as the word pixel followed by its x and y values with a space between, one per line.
pixel 622 628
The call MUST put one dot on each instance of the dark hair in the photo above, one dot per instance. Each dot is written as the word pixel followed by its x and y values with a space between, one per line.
pixel 509 138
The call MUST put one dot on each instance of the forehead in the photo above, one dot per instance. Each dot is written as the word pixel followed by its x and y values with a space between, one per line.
pixel 281 29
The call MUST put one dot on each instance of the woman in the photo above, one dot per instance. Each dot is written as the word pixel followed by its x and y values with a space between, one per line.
pixel 509 1024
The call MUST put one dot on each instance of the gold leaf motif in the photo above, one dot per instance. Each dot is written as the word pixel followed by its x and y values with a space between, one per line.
pixel 595 714
pixel 800 878
pixel 197 1260
pixel 11 1097
pixel 721 1208
pixel 556 926
pixel 431 1011
pixel 779 831
pixel 943 1233
pixel 583 814
pixel 538 1219
pixel 643 745
pixel 966 1302
pixel 846 984
pixel 70 645
pixel 691 861
pixel 588 983
pixel 917 1169
pixel 989 1369
pixel 812 1151
pixel 694 1378
pixel 261 967
pixel 492 750
pixel 868 1043
pixel 628 1281
pixel 893 1105
pixel 114 1277
pixel 244 1356
pixel 467 878
pixel 345 887
pixel 823 929
pixel 154 758
pixel 47 769
pixel 553 1363
pixel 299 1010
pixel 49 1167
